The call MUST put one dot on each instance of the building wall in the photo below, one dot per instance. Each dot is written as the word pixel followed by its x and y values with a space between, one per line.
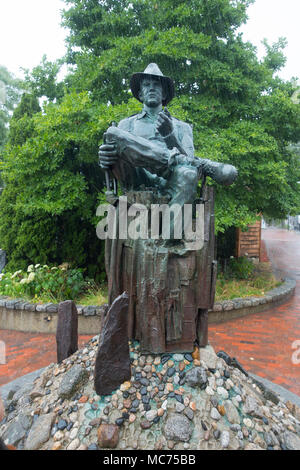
pixel 249 243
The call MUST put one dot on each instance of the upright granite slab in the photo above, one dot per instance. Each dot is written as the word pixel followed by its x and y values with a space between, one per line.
pixel 67 330
pixel 113 358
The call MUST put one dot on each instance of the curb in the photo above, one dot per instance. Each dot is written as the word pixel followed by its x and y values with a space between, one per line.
pixel 239 307
pixel 221 311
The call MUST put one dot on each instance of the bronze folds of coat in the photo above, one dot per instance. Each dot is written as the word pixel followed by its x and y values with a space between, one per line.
pixel 170 288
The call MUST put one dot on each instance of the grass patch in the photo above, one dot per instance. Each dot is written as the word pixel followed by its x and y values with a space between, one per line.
pixel 97 295
pixel 258 286
pixel 239 280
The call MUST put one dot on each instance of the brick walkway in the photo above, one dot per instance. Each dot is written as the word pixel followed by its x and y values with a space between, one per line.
pixel 27 352
pixel 261 342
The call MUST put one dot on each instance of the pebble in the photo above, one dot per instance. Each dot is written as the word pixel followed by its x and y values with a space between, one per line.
pixel 57 446
pixel 119 421
pixel 178 357
pixel 247 422
pixel 93 447
pixel 62 424
pixel 165 358
pixel 214 414
pixel 125 386
pixel 145 424
pixel 179 398
pixel 73 445
pixel 164 405
pixel 151 414
pixel 188 357
pixel 225 439
pixel 73 433
pixel 186 401
pixel 189 413
pixel 179 407
pixel 204 427
pixel 58 436
pixel 214 401
pixel 222 392
pixel 171 371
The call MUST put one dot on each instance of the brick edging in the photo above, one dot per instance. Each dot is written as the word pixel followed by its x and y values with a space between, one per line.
pixel 221 311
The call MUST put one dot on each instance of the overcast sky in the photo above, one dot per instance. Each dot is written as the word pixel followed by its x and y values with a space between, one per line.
pixel 31 28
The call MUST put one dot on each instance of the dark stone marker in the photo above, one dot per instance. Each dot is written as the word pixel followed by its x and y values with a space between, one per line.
pixel 112 366
pixel 67 330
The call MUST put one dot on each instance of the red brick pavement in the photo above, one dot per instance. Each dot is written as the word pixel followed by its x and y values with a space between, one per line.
pixel 27 352
pixel 263 342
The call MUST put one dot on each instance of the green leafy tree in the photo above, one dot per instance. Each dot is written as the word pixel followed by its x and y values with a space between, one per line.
pixel 43 80
pixel 54 184
pixel 10 91
pixel 240 112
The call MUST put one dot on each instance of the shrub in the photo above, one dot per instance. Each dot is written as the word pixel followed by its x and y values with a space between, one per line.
pixel 44 282
pixel 239 268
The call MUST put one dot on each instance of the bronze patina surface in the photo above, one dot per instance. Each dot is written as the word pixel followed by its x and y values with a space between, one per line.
pixel 170 287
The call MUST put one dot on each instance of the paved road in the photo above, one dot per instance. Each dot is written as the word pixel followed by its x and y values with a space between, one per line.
pixel 263 343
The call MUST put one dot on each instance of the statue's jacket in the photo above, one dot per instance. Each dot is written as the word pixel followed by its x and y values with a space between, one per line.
pixel 166 287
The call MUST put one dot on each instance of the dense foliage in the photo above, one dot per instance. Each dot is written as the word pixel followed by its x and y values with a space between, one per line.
pixel 10 91
pixel 41 282
pixel 240 112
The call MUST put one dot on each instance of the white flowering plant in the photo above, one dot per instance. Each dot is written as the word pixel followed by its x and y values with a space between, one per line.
pixel 40 282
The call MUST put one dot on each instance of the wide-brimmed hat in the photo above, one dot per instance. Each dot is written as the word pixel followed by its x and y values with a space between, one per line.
pixel 154 71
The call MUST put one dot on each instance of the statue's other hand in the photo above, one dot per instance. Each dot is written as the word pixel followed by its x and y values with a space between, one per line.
pixel 108 155
pixel 164 123
pixel 228 174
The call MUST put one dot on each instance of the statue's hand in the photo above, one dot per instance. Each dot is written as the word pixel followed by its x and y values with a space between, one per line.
pixel 108 155
pixel 164 123
pixel 222 173
pixel 225 174
pixel 229 174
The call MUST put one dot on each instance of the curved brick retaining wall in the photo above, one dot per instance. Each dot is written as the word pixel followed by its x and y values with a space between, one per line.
pixel 235 308
pixel 20 315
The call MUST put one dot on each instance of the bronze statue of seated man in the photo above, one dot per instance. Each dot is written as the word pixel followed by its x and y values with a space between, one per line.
pixel 170 286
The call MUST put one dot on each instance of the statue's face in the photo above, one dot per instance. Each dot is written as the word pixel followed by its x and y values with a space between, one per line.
pixel 151 92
